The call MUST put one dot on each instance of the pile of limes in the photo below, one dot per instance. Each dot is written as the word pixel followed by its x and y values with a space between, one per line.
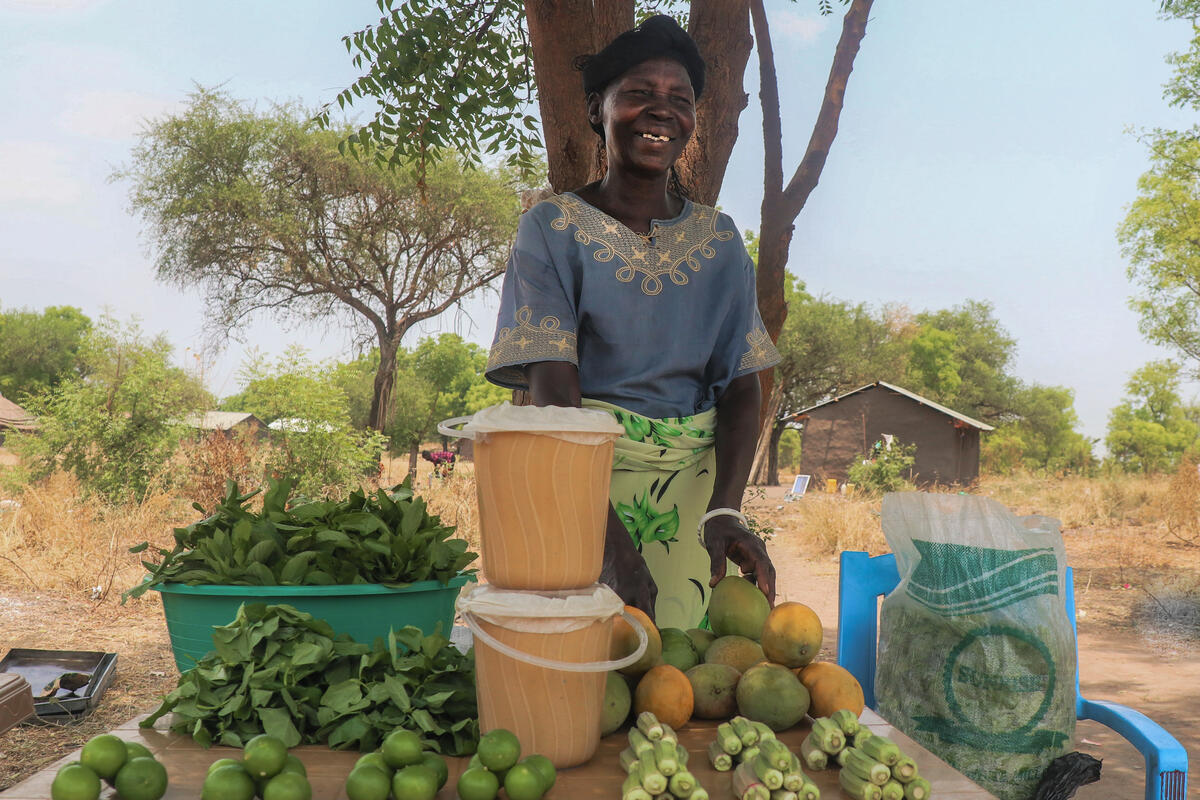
pixel 497 762
pixel 128 766
pixel 400 768
pixel 266 770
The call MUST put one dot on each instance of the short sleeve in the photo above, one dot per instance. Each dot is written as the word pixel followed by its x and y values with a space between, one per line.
pixel 744 347
pixel 537 318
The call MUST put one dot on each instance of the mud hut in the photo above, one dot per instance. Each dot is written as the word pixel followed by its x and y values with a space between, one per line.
pixel 15 418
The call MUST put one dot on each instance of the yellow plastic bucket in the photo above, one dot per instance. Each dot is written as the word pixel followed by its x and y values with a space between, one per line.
pixel 542 478
pixel 541 660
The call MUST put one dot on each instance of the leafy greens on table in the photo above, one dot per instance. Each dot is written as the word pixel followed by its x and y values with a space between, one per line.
pixel 386 538
pixel 280 671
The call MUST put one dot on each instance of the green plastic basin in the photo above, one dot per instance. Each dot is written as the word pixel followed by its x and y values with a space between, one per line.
pixel 362 611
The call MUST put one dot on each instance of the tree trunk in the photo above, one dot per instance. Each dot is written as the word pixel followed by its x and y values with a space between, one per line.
pixel 413 451
pixel 773 455
pixel 385 381
pixel 758 467
pixel 721 29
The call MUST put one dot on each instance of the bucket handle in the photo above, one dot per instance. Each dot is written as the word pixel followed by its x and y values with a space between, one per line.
pixel 563 666
pixel 448 427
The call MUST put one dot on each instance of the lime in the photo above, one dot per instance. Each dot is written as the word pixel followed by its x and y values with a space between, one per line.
pixel 545 768
pixel 523 782
pixel 438 765
pixel 294 764
pixel 377 761
pixel 228 782
pixel 498 749
pixel 402 748
pixel 135 749
pixel 224 762
pixel 368 783
pixel 478 784
pixel 104 755
pixel 264 756
pixel 415 782
pixel 141 779
pixel 288 786
pixel 75 782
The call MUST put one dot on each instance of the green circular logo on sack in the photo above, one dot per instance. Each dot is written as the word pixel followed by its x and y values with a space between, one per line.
pixel 999 680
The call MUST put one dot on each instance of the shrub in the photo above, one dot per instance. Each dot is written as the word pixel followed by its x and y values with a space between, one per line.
pixel 885 469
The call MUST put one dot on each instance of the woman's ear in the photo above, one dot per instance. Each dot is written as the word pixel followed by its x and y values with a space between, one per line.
pixel 594 101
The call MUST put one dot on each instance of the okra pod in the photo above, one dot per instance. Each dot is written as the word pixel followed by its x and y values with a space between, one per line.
pixel 812 754
pixel 846 720
pixel 862 735
pixel 683 782
pixel 745 731
pixel 882 749
pixel 776 753
pixel 842 754
pixel 729 740
pixel 866 767
pixel 917 789
pixel 764 730
pixel 859 788
pixel 699 793
pixel 632 789
pixel 810 791
pixel 893 790
pixel 905 769
pixel 829 736
pixel 794 777
pixel 783 794
pixel 770 777
pixel 669 734
pixel 648 724
pixel 664 757
pixel 639 742
pixel 720 760
pixel 681 755
pixel 747 786
pixel 748 755
pixel 653 781
pixel 628 758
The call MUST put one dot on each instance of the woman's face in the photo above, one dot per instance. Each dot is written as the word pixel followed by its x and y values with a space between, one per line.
pixel 648 115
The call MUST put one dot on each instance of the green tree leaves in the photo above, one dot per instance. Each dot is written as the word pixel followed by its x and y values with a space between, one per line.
pixel 39 351
pixel 1152 428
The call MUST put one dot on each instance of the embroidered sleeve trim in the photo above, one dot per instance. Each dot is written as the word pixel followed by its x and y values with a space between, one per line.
pixel 525 343
pixel 762 352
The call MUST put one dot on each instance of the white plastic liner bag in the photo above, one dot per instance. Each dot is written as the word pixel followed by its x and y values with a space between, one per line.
pixel 578 425
pixel 976 656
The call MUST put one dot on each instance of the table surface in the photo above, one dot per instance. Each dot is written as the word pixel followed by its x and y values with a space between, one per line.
pixel 187 763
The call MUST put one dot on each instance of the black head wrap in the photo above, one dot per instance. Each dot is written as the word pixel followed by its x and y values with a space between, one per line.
pixel 657 37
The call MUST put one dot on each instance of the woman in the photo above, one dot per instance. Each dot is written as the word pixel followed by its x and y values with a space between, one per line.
pixel 624 295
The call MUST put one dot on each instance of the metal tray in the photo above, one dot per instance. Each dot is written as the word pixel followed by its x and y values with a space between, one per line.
pixel 42 667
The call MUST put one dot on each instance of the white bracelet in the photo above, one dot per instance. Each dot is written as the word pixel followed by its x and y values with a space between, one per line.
pixel 719 512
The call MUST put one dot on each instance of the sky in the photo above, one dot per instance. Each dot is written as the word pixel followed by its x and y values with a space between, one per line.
pixel 987 151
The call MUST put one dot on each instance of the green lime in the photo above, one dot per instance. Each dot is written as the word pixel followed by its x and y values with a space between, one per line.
pixel 438 765
pixel 228 782
pixel 523 782
pixel 136 749
pixel 104 755
pixel 368 783
pixel 545 768
pixel 478 784
pixel 288 786
pixel 264 756
pixel 498 749
pixel 141 779
pixel 475 762
pixel 294 764
pixel 415 782
pixel 75 782
pixel 377 761
pixel 402 748
pixel 224 762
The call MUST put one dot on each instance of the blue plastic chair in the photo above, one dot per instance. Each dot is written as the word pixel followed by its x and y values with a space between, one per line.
pixel 863 579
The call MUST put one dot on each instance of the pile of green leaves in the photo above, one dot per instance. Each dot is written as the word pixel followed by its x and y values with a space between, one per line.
pixel 384 538
pixel 277 670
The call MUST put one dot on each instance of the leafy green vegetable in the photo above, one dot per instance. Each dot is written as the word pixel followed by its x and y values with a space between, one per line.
pixel 277 670
pixel 387 538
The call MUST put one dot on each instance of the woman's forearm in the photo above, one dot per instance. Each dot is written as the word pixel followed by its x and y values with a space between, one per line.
pixel 553 383
pixel 737 436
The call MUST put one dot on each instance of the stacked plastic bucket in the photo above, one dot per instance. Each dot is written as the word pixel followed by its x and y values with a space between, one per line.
pixel 542 624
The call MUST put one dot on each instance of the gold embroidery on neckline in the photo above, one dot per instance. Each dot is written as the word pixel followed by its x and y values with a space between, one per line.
pixel 672 246
pixel 762 352
pixel 526 343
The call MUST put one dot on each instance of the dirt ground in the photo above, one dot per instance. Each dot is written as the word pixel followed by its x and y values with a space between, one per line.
pixel 1125 655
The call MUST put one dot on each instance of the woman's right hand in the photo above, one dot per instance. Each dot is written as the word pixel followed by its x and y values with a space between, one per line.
pixel 624 570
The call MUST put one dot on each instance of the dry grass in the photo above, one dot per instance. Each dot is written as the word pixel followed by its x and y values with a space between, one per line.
pixel 1081 502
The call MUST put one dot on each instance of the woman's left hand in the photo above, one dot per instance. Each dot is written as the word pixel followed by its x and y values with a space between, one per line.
pixel 725 538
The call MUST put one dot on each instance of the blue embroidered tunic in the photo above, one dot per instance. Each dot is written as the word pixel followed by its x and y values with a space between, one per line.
pixel 658 324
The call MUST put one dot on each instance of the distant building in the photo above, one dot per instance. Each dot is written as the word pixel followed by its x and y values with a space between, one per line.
pixel 837 431
pixel 226 422
pixel 15 418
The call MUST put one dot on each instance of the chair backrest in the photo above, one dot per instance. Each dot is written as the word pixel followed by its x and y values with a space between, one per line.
pixel 864 579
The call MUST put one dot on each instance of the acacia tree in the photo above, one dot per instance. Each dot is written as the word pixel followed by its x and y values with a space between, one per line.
pixel 463 75
pixel 264 212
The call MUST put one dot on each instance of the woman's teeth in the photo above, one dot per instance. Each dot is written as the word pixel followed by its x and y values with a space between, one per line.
pixel 654 138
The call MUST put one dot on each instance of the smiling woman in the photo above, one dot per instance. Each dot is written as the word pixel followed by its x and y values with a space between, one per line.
pixel 624 295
